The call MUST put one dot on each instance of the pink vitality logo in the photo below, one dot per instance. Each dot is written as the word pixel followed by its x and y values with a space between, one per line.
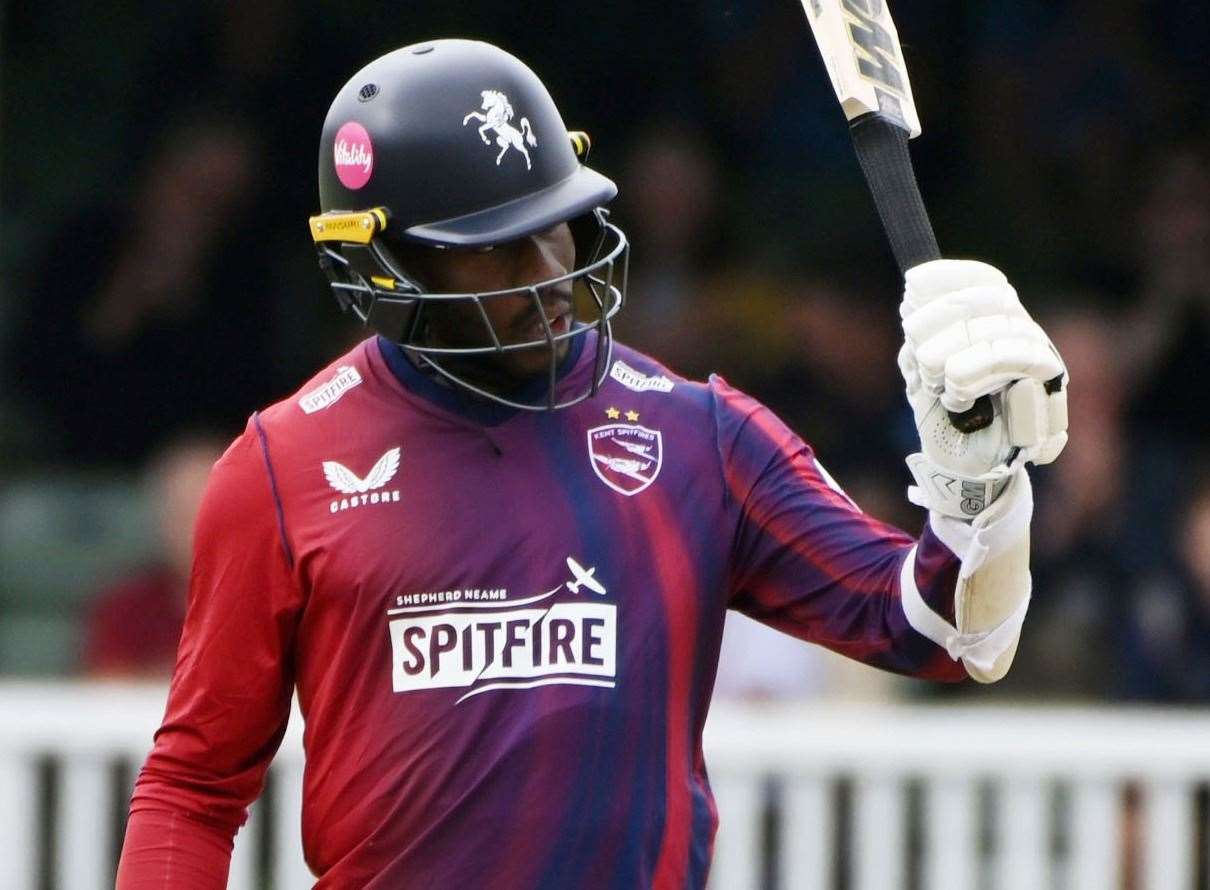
pixel 353 154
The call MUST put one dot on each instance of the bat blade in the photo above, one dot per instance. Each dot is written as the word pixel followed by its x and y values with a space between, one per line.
pixel 860 49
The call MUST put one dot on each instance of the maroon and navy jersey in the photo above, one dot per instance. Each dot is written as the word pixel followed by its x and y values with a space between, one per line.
pixel 502 625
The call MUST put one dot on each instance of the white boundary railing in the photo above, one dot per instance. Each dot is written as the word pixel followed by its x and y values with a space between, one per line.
pixel 810 797
pixel 1001 798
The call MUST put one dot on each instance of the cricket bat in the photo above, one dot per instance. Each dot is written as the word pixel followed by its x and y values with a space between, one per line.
pixel 860 49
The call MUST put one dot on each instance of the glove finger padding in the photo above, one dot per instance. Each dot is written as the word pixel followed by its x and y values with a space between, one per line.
pixel 992 365
pixel 935 354
pixel 909 369
pixel 1037 420
pixel 925 322
pixel 937 278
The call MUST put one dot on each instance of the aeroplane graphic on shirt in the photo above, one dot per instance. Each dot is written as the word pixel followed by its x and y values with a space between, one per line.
pixel 625 466
pixel 583 578
pixel 643 451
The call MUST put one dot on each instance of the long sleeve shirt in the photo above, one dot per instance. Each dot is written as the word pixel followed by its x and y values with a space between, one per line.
pixel 502 626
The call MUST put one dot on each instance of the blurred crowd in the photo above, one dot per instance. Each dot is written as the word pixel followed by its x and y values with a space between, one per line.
pixel 156 173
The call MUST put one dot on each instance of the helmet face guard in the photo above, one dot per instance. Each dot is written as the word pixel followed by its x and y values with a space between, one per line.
pixel 457 144
pixel 369 282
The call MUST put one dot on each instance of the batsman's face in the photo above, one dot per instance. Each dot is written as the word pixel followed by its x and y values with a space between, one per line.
pixel 515 318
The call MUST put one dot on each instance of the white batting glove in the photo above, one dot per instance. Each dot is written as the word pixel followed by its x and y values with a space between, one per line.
pixel 967 335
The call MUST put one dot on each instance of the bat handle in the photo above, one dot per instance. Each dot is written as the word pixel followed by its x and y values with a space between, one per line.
pixel 882 149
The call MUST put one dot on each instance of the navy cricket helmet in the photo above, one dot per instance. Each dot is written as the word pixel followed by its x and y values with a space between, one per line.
pixel 456 144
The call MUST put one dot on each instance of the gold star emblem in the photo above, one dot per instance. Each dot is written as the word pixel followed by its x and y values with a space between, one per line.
pixel 612 413
pixel 632 416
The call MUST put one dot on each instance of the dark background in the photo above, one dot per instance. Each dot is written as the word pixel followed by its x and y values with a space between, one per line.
pixel 157 168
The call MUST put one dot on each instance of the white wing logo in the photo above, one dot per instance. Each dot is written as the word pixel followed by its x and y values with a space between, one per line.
pixel 346 481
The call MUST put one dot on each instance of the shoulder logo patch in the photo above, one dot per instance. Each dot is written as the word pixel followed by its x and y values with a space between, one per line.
pixel 626 457
pixel 365 490
pixel 637 380
pixel 329 393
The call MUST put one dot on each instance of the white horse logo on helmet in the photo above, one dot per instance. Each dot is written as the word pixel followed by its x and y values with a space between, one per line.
pixel 499 113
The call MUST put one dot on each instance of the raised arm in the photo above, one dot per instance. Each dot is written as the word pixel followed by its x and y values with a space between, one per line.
pixel 808 561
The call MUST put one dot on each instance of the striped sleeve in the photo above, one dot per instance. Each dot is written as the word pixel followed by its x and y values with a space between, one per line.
pixel 807 561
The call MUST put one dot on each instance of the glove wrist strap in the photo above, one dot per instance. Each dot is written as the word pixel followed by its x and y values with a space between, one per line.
pixel 953 494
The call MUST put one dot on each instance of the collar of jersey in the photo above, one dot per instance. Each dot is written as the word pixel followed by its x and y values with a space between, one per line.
pixel 459 401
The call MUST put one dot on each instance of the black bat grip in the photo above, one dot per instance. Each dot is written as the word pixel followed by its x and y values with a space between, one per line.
pixel 882 150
